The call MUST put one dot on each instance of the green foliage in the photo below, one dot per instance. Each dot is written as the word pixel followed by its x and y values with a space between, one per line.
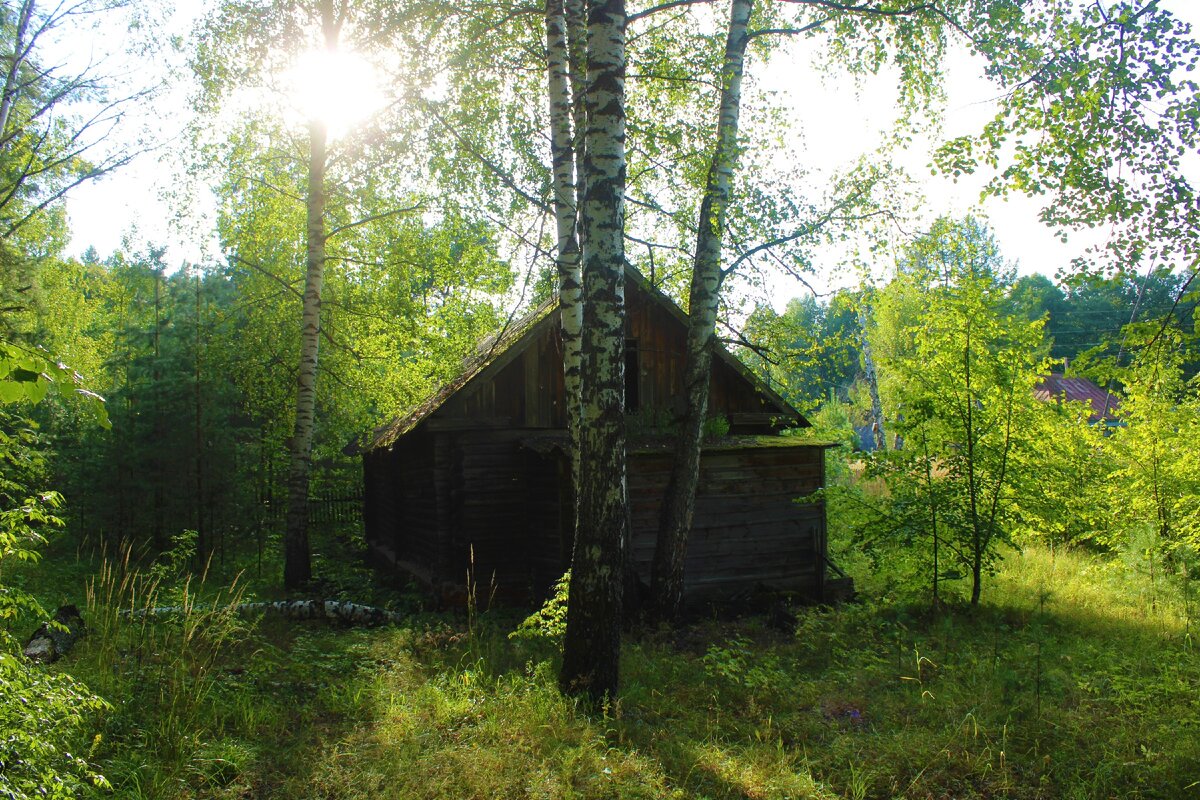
pixel 29 373
pixel 814 348
pixel 1086 688
pixel 958 369
pixel 1086 316
pixel 1071 500
pixel 548 623
pixel 715 426
pixel 1157 448
pixel 737 663
pixel 1097 112
pixel 42 717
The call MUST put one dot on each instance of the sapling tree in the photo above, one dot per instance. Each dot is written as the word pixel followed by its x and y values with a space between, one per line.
pixel 1070 503
pixel 963 381
pixel 1155 447
pixel 44 715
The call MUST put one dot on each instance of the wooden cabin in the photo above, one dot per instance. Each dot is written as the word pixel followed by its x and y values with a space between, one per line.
pixel 476 478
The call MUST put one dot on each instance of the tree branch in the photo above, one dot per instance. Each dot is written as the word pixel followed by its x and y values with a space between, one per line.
pixel 664 7
pixel 504 177
pixel 369 219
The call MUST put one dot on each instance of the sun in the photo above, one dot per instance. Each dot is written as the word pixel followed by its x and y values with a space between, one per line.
pixel 339 88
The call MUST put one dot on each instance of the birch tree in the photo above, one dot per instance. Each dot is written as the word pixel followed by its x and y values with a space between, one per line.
pixel 565 129
pixel 591 647
pixel 352 186
pixel 679 504
pixel 61 126
pixel 710 265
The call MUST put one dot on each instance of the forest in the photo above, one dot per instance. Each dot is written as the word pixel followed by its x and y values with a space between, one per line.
pixel 381 189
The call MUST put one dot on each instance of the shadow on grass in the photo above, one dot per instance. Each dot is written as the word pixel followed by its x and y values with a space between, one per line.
pixel 1059 689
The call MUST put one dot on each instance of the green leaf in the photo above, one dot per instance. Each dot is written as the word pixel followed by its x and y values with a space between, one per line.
pixel 11 391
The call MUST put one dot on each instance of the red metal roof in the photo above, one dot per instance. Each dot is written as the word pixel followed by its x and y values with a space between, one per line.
pixel 1058 388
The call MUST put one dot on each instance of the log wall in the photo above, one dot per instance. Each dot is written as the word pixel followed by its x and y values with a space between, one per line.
pixel 748 529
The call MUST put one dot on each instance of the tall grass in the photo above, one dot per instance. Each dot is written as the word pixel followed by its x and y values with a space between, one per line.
pixel 158 646
pixel 1067 684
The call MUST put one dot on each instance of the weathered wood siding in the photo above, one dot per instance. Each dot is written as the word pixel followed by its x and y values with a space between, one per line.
pixel 524 387
pixel 462 481
pixel 662 346
pixel 401 501
pixel 748 529
pixel 458 503
pixel 491 521
pixel 551 519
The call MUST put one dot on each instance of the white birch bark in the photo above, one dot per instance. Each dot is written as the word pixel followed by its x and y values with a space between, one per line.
pixel 297 567
pixel 680 501
pixel 872 376
pixel 562 153
pixel 591 647
pixel 11 78
pixel 576 69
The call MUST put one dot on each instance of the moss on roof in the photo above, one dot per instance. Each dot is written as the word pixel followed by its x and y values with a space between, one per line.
pixel 495 346
pixel 484 356
pixel 664 444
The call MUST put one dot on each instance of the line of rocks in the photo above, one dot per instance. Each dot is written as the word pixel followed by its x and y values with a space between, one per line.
pixel 50 642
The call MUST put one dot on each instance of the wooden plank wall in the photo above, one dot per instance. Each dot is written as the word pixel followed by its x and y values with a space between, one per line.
pixel 550 519
pixel 491 488
pixel 379 500
pixel 747 529
pixel 414 536
pixel 527 391
pixel 662 347
pixel 460 479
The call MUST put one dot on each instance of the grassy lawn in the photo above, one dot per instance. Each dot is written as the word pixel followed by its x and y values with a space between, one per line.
pixel 1078 679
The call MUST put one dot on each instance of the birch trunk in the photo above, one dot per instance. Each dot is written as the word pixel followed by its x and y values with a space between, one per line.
pixel 872 383
pixel 679 504
pixel 562 153
pixel 576 69
pixel 591 647
pixel 297 566
pixel 12 77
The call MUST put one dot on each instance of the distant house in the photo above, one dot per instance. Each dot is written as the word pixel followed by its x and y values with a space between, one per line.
pixel 1058 388
pixel 476 478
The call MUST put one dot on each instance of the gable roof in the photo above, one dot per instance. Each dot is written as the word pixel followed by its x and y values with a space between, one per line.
pixel 498 350
pixel 721 354
pixel 1056 388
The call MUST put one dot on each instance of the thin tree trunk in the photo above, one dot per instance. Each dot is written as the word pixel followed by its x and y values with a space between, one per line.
pixel 160 432
pixel 592 645
pixel 297 566
pixel 562 151
pixel 932 512
pixel 972 487
pixel 872 382
pixel 679 504
pixel 11 78
pixel 202 543
pixel 576 75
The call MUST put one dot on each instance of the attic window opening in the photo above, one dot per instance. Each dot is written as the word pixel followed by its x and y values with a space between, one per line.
pixel 632 370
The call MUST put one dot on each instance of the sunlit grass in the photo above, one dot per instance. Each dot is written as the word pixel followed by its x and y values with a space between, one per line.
pixel 1067 683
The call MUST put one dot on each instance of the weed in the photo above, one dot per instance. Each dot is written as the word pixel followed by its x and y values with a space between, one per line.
pixel 1075 693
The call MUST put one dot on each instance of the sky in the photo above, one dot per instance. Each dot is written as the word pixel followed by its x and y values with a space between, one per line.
pixel 133 204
